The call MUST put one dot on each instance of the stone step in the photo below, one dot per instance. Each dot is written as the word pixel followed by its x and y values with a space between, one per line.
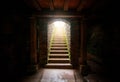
pixel 58 60
pixel 56 36
pixel 58 56
pixel 58 45
pixel 58 51
pixel 59 65
pixel 58 42
pixel 58 39
pixel 58 48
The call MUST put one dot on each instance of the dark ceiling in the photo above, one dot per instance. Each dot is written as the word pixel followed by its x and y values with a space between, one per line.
pixel 79 7
pixel 66 5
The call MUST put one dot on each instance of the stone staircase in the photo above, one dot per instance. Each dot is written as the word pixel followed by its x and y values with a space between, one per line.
pixel 58 56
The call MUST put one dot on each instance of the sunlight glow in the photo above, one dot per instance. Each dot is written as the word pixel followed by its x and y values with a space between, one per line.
pixel 59 24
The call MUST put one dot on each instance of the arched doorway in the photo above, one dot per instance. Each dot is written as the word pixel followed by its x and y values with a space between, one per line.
pixel 59 44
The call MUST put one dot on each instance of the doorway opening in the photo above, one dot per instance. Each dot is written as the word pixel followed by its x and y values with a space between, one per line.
pixel 59 44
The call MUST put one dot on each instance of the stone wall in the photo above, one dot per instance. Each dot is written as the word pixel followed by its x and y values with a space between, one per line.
pixel 15 45
pixel 103 41
pixel 75 43
pixel 68 34
pixel 42 54
pixel 15 40
pixel 95 40
pixel 49 35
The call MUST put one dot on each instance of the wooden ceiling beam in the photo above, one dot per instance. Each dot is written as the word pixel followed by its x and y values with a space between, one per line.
pixel 66 5
pixel 59 16
pixel 79 6
pixel 51 5
pixel 37 2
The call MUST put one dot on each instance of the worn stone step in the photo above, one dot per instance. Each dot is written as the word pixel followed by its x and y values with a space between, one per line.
pixel 58 42
pixel 58 51
pixel 58 45
pixel 58 56
pixel 59 48
pixel 57 37
pixel 59 65
pixel 58 60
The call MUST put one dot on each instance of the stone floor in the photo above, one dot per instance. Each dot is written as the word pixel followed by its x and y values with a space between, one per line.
pixel 96 78
pixel 61 75
pixel 57 75
pixel 54 75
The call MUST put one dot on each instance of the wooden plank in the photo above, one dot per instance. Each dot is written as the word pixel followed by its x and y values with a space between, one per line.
pixel 66 5
pixel 59 16
pixel 51 4
pixel 37 2
pixel 79 6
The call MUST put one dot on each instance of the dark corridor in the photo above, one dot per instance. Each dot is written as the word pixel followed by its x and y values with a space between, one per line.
pixel 95 36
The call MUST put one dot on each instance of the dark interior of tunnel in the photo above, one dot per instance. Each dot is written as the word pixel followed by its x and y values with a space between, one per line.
pixel 103 39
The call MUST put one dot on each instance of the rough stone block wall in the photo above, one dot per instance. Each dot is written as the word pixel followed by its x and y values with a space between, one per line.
pixel 49 35
pixel 95 38
pixel 15 55
pixel 68 34
pixel 42 42
pixel 95 41
pixel 75 43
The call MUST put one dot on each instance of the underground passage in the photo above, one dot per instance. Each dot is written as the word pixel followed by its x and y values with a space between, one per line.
pixel 59 41
pixel 59 45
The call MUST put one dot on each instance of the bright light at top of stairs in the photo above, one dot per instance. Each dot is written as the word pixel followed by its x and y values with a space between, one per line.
pixel 59 24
